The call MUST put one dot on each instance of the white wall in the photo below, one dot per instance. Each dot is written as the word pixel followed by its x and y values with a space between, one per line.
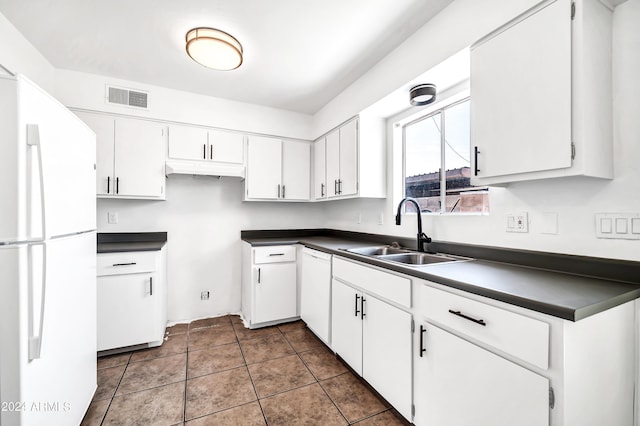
pixel 574 200
pixel 455 28
pixel 203 217
pixel 19 56
pixel 88 91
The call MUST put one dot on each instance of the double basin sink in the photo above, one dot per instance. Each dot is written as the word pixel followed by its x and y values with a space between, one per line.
pixel 404 256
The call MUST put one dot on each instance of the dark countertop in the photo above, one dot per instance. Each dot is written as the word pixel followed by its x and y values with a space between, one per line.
pixel 131 241
pixel 570 296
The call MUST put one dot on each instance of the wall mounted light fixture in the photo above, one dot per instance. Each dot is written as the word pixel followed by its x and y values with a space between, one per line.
pixel 214 48
pixel 422 94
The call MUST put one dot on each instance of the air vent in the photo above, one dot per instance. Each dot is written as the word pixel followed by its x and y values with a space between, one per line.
pixel 133 98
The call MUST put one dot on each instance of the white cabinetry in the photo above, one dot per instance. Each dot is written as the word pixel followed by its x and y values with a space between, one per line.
pixel 483 362
pixel 130 156
pixel 465 384
pixel 349 161
pixel 278 169
pixel 199 143
pixel 370 332
pixel 269 284
pixel 206 151
pixel 541 95
pixel 132 299
pixel 319 169
pixel 315 288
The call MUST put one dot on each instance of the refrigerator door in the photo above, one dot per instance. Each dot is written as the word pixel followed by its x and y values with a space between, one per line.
pixel 61 156
pixel 49 297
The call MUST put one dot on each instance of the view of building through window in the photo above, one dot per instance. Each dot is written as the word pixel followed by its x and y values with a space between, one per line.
pixel 436 142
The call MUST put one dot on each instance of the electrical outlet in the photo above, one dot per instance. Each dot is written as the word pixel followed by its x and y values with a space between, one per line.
pixel 381 219
pixel 204 295
pixel 112 218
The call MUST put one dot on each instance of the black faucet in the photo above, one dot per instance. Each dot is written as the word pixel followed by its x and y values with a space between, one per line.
pixel 422 237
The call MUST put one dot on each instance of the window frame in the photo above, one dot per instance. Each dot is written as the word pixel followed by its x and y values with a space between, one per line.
pixel 425 114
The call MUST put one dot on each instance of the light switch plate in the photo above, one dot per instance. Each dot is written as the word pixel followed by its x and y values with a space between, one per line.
pixel 620 226
pixel 518 222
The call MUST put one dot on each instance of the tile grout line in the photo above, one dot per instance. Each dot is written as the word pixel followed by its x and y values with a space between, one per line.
pixel 114 391
pixel 246 365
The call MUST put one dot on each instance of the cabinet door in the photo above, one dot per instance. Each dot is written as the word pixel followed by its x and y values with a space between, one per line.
pixel 188 143
pixel 226 147
pixel 128 311
pixel 333 162
pixel 264 167
pixel 346 324
pixel 463 384
pixel 275 295
pixel 319 169
pixel 349 159
pixel 315 297
pixel 296 170
pixel 139 158
pixel 104 128
pixel 521 95
pixel 386 352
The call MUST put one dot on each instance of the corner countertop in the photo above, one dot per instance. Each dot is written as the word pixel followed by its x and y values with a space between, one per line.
pixel 131 241
pixel 570 296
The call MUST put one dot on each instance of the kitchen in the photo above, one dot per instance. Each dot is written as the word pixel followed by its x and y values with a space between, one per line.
pixel 203 216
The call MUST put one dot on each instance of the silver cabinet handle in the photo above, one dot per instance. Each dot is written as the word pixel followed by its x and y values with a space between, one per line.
pixel 124 264
pixel 276 254
pixel 283 196
pixel 322 189
pixel 258 275
pixel 150 286
pixel 278 190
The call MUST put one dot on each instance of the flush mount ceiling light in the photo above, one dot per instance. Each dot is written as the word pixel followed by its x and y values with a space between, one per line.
pixel 214 48
pixel 422 94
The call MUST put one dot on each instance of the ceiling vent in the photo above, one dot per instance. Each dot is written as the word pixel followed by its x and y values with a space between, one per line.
pixel 128 97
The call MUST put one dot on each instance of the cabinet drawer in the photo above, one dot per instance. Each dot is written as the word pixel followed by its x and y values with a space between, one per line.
pixel 129 262
pixel 515 334
pixel 374 281
pixel 274 254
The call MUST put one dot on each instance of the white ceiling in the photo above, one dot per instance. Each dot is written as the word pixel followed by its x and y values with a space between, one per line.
pixel 299 54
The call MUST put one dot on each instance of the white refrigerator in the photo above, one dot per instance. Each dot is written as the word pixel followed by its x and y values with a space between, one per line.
pixel 47 259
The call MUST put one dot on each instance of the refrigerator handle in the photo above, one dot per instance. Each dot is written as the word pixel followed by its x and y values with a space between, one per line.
pixel 36 326
pixel 33 140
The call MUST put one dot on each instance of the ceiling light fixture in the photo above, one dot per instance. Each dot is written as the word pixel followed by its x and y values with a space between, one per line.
pixel 214 48
pixel 422 94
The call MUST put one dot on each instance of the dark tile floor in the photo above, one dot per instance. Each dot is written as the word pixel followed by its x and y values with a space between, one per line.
pixel 217 372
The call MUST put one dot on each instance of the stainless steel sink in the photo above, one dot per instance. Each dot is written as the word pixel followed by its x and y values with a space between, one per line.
pixel 378 251
pixel 418 259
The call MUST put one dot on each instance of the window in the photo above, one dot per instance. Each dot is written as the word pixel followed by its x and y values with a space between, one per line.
pixel 435 142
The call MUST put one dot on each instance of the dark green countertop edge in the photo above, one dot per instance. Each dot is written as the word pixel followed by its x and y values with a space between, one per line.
pixel 623 272
pixel 116 242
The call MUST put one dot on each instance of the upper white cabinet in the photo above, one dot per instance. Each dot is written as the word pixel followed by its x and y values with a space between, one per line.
pixel 349 161
pixel 130 156
pixel 277 169
pixel 319 169
pixel 198 143
pixel 205 151
pixel 541 95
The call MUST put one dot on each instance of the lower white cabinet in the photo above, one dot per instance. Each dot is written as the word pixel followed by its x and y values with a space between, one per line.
pixel 460 384
pixel 487 363
pixel 269 284
pixel 315 289
pixel 373 336
pixel 131 299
